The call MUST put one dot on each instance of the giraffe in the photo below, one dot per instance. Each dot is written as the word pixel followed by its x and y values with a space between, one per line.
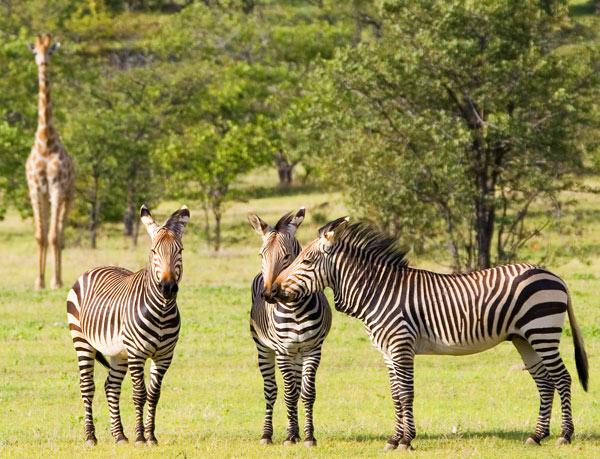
pixel 50 172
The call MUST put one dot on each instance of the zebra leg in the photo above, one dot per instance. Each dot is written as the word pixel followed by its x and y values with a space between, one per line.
pixel 562 382
pixel 310 364
pixel 136 368
pixel 394 440
pixel 287 366
pixel 157 373
pixel 403 360
pixel 86 355
pixel 112 387
pixel 545 387
pixel 266 364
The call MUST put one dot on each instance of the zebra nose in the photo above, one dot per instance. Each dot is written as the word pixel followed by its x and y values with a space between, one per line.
pixel 168 288
pixel 266 294
pixel 276 291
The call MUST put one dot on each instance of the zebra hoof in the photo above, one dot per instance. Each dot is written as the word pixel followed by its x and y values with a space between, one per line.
pixel 532 442
pixel 122 441
pixel 91 442
pixel 139 443
pixel 404 447
pixel 266 441
pixel 310 443
pixel 289 442
pixel 390 446
pixel 152 442
pixel 562 441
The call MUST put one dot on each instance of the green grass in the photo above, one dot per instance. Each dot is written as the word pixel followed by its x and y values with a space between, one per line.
pixel 212 403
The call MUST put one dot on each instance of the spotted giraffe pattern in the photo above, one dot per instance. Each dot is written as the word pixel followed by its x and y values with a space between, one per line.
pixel 50 173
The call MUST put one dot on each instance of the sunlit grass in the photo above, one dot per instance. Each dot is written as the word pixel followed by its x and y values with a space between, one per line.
pixel 212 402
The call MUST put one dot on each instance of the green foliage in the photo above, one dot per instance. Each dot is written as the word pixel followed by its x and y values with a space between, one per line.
pixel 454 121
pixel 160 99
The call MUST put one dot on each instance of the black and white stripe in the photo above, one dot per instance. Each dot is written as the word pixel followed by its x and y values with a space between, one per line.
pixel 130 317
pixel 290 334
pixel 409 311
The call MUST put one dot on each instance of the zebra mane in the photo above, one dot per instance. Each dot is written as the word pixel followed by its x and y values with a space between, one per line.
pixel 284 221
pixel 364 236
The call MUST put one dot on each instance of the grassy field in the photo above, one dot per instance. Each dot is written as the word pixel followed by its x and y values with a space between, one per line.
pixel 212 404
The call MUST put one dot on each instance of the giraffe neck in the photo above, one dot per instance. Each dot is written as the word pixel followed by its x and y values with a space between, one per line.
pixel 45 131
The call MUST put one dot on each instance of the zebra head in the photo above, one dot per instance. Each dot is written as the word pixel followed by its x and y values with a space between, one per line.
pixel 279 247
pixel 309 272
pixel 166 262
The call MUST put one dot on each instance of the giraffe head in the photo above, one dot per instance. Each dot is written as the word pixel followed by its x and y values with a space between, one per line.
pixel 42 49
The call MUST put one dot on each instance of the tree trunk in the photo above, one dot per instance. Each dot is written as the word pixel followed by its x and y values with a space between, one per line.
pixel 217 214
pixel 484 228
pixel 284 169
pixel 136 230
pixel 206 223
pixel 248 6
pixel 485 211
pixel 129 217
pixel 94 212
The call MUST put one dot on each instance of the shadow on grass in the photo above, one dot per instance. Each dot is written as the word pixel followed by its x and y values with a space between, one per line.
pixel 583 9
pixel 510 435
pixel 261 192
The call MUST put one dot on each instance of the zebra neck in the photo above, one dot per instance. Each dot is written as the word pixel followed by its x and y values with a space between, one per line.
pixel 155 300
pixel 360 282
pixel 296 306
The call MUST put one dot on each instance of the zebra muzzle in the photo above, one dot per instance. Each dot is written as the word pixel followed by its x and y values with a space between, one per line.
pixel 168 288
pixel 277 294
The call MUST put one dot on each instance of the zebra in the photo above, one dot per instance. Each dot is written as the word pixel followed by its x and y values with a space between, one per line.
pixel 408 311
pixel 289 333
pixel 130 317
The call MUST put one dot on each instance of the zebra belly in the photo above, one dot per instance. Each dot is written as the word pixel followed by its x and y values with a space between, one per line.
pixel 111 347
pixel 292 344
pixel 437 347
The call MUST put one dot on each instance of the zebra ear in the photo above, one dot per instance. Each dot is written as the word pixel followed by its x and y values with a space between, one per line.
pixel 148 221
pixel 298 218
pixel 332 231
pixel 259 225
pixel 178 221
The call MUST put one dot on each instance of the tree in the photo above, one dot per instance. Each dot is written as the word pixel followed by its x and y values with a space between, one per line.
pixel 454 121
pixel 18 108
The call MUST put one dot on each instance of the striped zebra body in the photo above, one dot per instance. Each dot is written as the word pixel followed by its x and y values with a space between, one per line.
pixel 287 334
pixel 129 317
pixel 409 311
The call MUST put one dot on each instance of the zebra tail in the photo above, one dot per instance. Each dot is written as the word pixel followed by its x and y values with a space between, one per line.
pixel 100 358
pixel 581 359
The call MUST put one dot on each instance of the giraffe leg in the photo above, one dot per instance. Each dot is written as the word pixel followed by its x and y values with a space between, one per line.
pixel 545 386
pixel 63 210
pixel 158 369
pixel 112 387
pixel 394 440
pixel 136 368
pixel 39 204
pixel 310 364
pixel 266 364
pixel 287 366
pixel 54 239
